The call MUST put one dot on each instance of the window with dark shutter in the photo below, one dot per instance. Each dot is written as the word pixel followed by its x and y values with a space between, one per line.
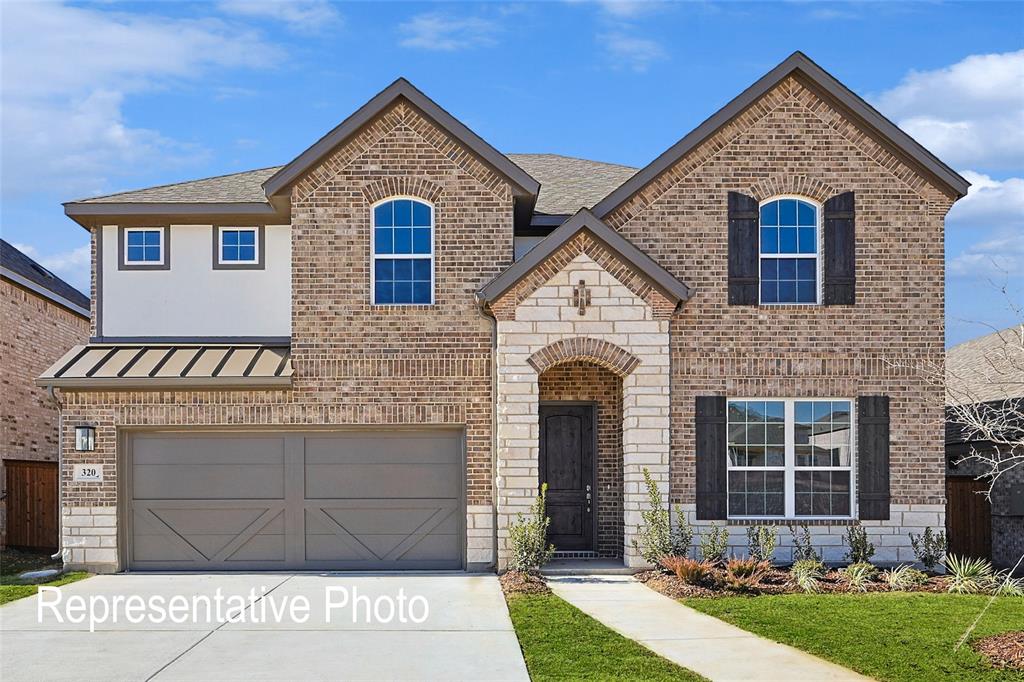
pixel 710 422
pixel 743 249
pixel 873 457
pixel 840 250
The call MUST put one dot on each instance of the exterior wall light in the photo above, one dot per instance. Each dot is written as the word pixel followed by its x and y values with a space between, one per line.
pixel 85 438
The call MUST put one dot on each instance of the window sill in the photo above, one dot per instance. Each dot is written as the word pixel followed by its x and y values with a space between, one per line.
pixel 773 521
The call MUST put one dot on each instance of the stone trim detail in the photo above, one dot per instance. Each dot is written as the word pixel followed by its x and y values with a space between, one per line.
pixel 792 184
pixel 402 185
pixel 597 351
pixel 504 308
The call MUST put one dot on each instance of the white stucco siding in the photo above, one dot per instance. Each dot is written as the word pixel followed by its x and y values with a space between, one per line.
pixel 191 298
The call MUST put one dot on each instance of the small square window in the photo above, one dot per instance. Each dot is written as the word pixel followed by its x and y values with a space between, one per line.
pixel 144 246
pixel 238 246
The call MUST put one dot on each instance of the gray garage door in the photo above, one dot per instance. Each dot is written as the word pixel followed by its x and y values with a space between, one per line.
pixel 354 500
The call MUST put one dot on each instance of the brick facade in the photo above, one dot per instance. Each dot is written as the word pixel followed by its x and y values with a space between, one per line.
pixel 361 364
pixel 35 332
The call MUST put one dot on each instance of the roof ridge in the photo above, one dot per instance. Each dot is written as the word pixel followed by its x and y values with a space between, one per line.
pixel 172 184
pixel 574 158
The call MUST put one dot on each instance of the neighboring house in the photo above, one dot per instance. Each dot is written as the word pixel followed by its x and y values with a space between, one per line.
pixel 987 371
pixel 42 315
pixel 340 363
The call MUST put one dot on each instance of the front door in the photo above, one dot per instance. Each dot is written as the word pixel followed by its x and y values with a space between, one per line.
pixel 567 456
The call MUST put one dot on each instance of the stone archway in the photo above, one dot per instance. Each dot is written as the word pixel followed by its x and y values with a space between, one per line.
pixel 619 330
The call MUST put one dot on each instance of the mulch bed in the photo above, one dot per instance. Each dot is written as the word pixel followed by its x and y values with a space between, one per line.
pixel 776 582
pixel 519 582
pixel 1003 651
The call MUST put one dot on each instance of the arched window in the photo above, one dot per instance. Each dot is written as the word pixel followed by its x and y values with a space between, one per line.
pixel 790 238
pixel 403 253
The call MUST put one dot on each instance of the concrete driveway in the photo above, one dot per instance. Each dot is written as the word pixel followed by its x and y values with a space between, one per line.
pixel 351 629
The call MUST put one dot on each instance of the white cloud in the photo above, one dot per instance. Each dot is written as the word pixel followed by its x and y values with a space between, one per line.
pixel 628 8
pixel 631 52
pixel 994 259
pixel 447 33
pixel 305 16
pixel 66 74
pixel 998 203
pixel 71 266
pixel 970 114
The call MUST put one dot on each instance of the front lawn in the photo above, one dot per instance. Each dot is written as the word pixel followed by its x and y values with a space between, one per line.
pixel 560 642
pixel 893 637
pixel 14 562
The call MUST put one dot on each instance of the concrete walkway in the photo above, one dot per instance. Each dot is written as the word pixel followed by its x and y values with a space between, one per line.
pixel 467 635
pixel 701 643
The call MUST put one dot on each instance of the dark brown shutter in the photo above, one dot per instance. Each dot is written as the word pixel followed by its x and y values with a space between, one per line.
pixel 711 457
pixel 873 456
pixel 840 250
pixel 744 249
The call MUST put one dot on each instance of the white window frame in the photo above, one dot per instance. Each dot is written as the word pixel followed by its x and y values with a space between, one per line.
pixel 374 256
pixel 790 468
pixel 144 263
pixel 818 252
pixel 233 228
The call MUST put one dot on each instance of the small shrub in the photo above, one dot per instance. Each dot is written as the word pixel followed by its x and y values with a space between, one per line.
pixel 806 573
pixel 714 543
pixel 745 575
pixel 527 536
pixel 690 571
pixel 929 547
pixel 654 539
pixel 904 577
pixel 681 536
pixel 762 541
pixel 1005 585
pixel 861 550
pixel 803 550
pixel 858 576
pixel 969 575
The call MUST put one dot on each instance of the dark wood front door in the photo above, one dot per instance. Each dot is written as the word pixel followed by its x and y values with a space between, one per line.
pixel 968 517
pixel 567 466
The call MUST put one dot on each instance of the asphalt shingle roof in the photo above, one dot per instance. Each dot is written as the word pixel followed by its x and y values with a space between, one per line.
pixel 567 184
pixel 236 187
pixel 17 262
pixel 986 369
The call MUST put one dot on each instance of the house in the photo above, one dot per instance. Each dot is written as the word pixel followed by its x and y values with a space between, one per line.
pixel 41 315
pixel 985 374
pixel 340 363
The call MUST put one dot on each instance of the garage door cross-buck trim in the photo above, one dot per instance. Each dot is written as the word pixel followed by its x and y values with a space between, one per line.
pixel 331 500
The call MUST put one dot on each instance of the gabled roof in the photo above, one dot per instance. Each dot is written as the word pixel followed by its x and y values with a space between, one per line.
pixel 674 289
pixel 796 64
pixel 25 272
pixel 525 185
pixel 232 188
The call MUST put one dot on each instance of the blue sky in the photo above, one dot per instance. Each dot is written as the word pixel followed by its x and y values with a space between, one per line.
pixel 100 97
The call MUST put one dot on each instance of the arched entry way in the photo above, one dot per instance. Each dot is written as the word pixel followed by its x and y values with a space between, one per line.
pixel 580 457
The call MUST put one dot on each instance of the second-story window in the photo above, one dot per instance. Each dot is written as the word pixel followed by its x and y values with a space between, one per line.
pixel 144 246
pixel 238 245
pixel 402 270
pixel 789 251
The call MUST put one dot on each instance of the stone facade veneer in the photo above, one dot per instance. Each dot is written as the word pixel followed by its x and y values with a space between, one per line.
pixel 617 324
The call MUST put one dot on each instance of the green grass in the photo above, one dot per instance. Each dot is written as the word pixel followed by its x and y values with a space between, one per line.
pixel 14 562
pixel 560 642
pixel 11 589
pixel 892 637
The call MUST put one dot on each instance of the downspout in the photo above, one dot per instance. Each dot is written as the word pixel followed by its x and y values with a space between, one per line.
pixel 51 392
pixel 482 307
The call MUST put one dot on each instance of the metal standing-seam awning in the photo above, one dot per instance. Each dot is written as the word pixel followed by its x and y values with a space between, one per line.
pixel 152 366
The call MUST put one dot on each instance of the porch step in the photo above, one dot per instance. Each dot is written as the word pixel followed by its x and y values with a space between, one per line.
pixel 570 567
